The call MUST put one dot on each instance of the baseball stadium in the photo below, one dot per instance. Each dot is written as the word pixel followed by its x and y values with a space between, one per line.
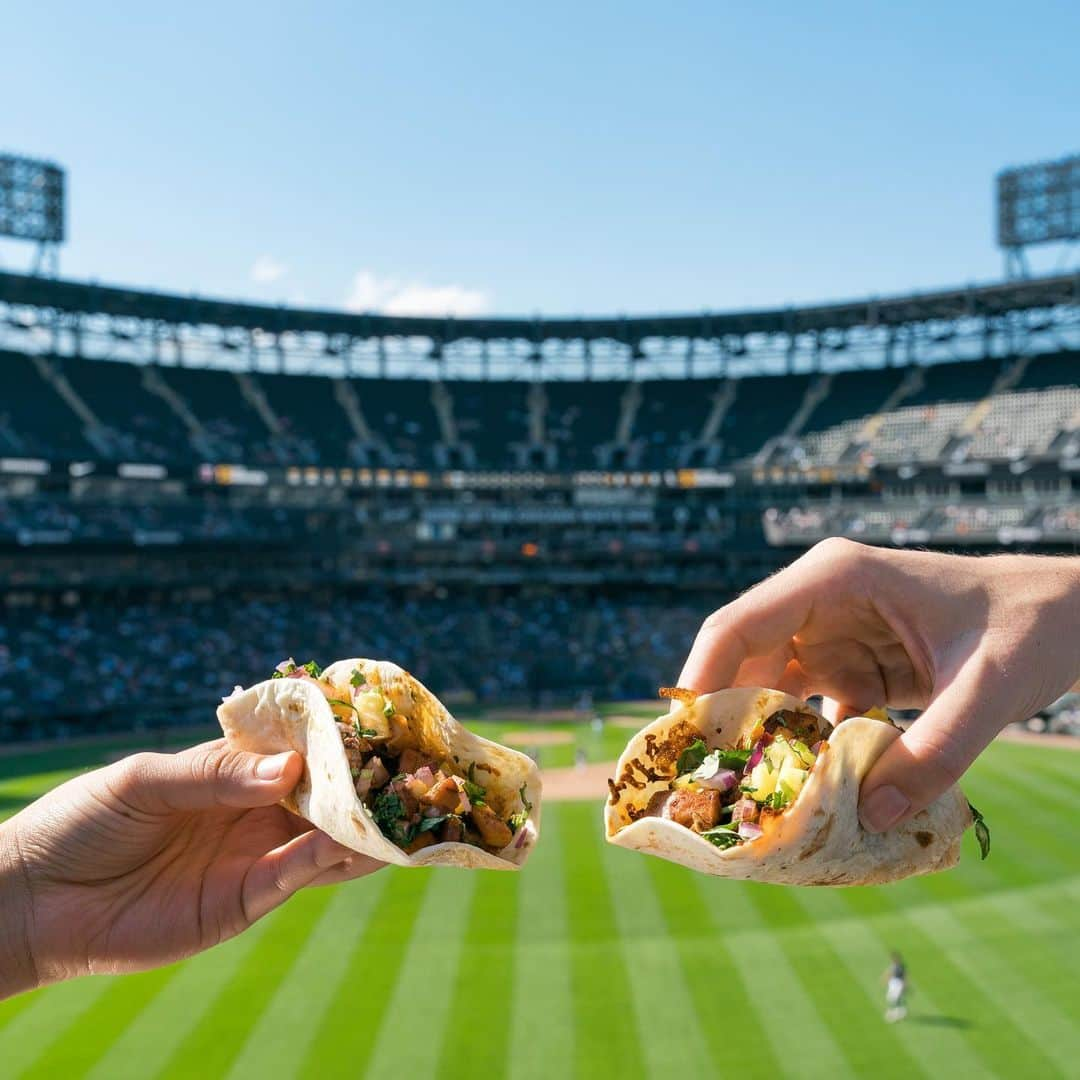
pixel 533 515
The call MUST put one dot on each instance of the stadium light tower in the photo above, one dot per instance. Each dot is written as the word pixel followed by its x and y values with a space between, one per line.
pixel 32 207
pixel 1037 204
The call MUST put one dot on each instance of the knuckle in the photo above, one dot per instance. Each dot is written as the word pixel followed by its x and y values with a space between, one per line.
pixel 133 771
pixel 209 768
pixel 717 621
pixel 837 550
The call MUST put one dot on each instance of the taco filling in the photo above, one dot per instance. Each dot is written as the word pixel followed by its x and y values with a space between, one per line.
pixel 415 799
pixel 729 795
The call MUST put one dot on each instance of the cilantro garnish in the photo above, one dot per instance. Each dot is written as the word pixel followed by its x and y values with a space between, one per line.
pixel 312 669
pixel 982 831
pixel 517 821
pixel 387 810
pixel 388 708
pixel 357 678
pixel 473 790
pixel 364 732
pixel 692 757
pixel 723 836
pixel 429 823
pixel 779 798
pixel 733 759
pixel 343 704
pixel 289 665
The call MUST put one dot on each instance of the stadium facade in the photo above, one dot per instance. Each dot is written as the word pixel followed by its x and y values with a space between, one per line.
pixel 168 459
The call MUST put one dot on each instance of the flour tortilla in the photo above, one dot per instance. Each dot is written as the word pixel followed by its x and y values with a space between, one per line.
pixel 818 840
pixel 292 714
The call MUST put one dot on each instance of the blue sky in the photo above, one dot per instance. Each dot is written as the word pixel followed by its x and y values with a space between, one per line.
pixel 556 158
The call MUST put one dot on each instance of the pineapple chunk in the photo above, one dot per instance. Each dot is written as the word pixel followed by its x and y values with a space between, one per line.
pixel 794 775
pixel 762 780
pixel 370 711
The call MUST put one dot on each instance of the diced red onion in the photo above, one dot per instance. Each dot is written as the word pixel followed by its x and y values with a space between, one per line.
pixel 434 811
pixel 816 748
pixel 721 780
pixel 749 831
pixel 756 755
pixel 425 776
pixel 522 838
pixel 286 666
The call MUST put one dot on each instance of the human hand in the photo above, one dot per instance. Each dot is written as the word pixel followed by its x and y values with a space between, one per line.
pixel 977 642
pixel 152 859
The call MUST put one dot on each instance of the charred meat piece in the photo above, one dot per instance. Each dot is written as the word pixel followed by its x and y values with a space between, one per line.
pixel 412 759
pixel 355 747
pixel 421 840
pixel 804 726
pixel 492 829
pixel 697 810
pixel 453 831
pixel 409 802
pixel 445 795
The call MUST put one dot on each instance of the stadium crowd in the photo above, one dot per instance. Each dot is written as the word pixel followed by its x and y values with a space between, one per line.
pixel 162 662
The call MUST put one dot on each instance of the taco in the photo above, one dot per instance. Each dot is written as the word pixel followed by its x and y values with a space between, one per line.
pixel 757 785
pixel 389 772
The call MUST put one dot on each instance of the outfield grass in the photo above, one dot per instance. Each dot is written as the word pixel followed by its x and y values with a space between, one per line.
pixel 597 962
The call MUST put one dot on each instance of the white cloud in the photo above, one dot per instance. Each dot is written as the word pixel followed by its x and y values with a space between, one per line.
pixel 393 296
pixel 265 270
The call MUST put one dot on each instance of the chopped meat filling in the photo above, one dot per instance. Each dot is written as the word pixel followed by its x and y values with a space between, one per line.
pixel 697 810
pixel 415 799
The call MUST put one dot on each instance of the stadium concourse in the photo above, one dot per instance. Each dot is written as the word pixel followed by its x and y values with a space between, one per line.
pixel 518 510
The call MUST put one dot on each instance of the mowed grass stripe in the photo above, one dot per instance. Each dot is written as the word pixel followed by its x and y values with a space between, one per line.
pixel 485 979
pixel 773 964
pixel 852 1015
pixel 663 991
pixel 1003 1047
pixel 718 993
pixel 12 1006
pixel 931 1040
pixel 51 1012
pixel 343 1038
pixel 210 1048
pixel 314 986
pixel 607 1041
pixel 154 1034
pixel 542 1021
pixel 424 990
pixel 1007 985
pixel 87 1040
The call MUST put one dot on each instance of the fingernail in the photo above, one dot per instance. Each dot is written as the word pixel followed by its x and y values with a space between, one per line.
pixel 883 808
pixel 271 768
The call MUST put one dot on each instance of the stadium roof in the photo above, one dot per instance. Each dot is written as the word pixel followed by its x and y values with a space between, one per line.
pixel 985 300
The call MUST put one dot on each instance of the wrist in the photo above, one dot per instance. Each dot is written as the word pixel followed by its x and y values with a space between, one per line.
pixel 18 972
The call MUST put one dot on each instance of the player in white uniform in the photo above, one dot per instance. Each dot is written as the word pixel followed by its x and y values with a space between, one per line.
pixel 895 990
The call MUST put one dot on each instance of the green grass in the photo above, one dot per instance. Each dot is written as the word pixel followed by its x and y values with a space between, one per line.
pixel 597 962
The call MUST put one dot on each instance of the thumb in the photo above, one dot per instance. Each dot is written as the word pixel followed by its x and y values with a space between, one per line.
pixel 932 754
pixel 203 777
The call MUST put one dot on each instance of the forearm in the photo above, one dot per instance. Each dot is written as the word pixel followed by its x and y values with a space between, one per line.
pixel 17 971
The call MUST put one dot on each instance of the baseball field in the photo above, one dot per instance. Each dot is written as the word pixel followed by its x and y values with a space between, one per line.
pixel 597 962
